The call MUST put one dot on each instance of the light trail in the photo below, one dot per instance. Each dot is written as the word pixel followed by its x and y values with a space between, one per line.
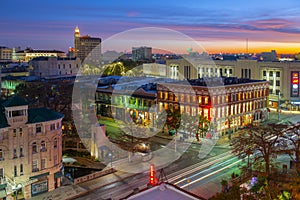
pixel 203 177
pixel 215 166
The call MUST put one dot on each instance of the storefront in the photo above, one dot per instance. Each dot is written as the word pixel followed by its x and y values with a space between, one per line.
pixel 41 186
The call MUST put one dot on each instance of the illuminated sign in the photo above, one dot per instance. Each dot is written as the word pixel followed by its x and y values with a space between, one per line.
pixel 294 84
pixel 153 179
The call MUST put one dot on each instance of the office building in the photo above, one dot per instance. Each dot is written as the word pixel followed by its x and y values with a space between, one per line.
pixel 142 54
pixel 87 46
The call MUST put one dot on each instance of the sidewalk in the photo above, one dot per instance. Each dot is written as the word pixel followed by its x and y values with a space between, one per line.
pixel 69 192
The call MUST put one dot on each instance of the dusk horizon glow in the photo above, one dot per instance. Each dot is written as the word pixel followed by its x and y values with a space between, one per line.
pixel 218 26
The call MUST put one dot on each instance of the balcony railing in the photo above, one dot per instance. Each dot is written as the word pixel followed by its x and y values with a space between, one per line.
pixel 35 169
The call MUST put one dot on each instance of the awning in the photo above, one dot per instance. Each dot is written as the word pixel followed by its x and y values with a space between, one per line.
pixel 3 186
pixel 39 176
pixel 58 175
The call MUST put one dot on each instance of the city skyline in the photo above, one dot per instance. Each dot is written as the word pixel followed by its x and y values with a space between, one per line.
pixel 218 26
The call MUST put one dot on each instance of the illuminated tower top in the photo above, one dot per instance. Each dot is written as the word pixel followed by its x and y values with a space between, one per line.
pixel 77 32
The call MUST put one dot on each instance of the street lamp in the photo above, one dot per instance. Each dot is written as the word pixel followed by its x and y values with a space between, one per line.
pixel 279 106
pixel 16 189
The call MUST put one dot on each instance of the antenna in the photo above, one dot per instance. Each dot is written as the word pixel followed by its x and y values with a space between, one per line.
pixel 247 46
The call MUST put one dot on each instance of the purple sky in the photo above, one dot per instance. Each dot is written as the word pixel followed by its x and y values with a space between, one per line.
pixel 218 25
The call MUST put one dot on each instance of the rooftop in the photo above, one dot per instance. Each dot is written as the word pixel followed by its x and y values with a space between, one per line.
pixel 36 115
pixel 218 81
pixel 164 191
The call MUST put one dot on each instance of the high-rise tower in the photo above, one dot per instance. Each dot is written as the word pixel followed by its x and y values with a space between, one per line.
pixel 87 46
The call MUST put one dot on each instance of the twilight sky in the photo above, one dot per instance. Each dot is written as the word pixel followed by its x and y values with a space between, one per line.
pixel 218 25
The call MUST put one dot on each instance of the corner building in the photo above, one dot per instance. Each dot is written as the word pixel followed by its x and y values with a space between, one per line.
pixel 30 149
pixel 229 103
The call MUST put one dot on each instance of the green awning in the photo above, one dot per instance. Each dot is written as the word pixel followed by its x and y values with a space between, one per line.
pixel 39 176
pixel 3 186
pixel 58 175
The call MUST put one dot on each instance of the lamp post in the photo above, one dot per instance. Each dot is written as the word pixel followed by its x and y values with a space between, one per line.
pixel 16 189
pixel 279 106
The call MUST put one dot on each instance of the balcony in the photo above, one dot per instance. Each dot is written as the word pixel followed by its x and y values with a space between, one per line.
pixel 35 169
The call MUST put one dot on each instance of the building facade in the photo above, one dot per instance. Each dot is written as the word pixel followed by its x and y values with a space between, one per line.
pixel 30 149
pixel 5 54
pixel 119 102
pixel 86 46
pixel 283 76
pixel 141 53
pixel 228 103
pixel 28 54
pixel 47 67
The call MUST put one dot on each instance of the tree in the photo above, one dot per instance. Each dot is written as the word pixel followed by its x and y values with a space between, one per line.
pixel 260 141
pixel 292 136
pixel 203 127
pixel 169 119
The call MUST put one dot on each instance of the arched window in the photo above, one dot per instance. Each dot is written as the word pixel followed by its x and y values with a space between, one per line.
pixel 55 143
pixel 43 146
pixel 34 147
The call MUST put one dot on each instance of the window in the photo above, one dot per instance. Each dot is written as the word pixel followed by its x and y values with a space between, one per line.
pixel 277 92
pixel 21 132
pixel 277 83
pixel 34 147
pixel 38 128
pixel 15 171
pixel 230 71
pixel 43 146
pixel 21 151
pixel 15 132
pixel 55 143
pixel 52 127
pixel 271 73
pixel 64 66
pixel 57 125
pixel 58 66
pixel 55 159
pixel 43 164
pixel 15 153
pixel 277 74
pixel 70 66
pixel 35 166
pixel 21 169
pixel 1 155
